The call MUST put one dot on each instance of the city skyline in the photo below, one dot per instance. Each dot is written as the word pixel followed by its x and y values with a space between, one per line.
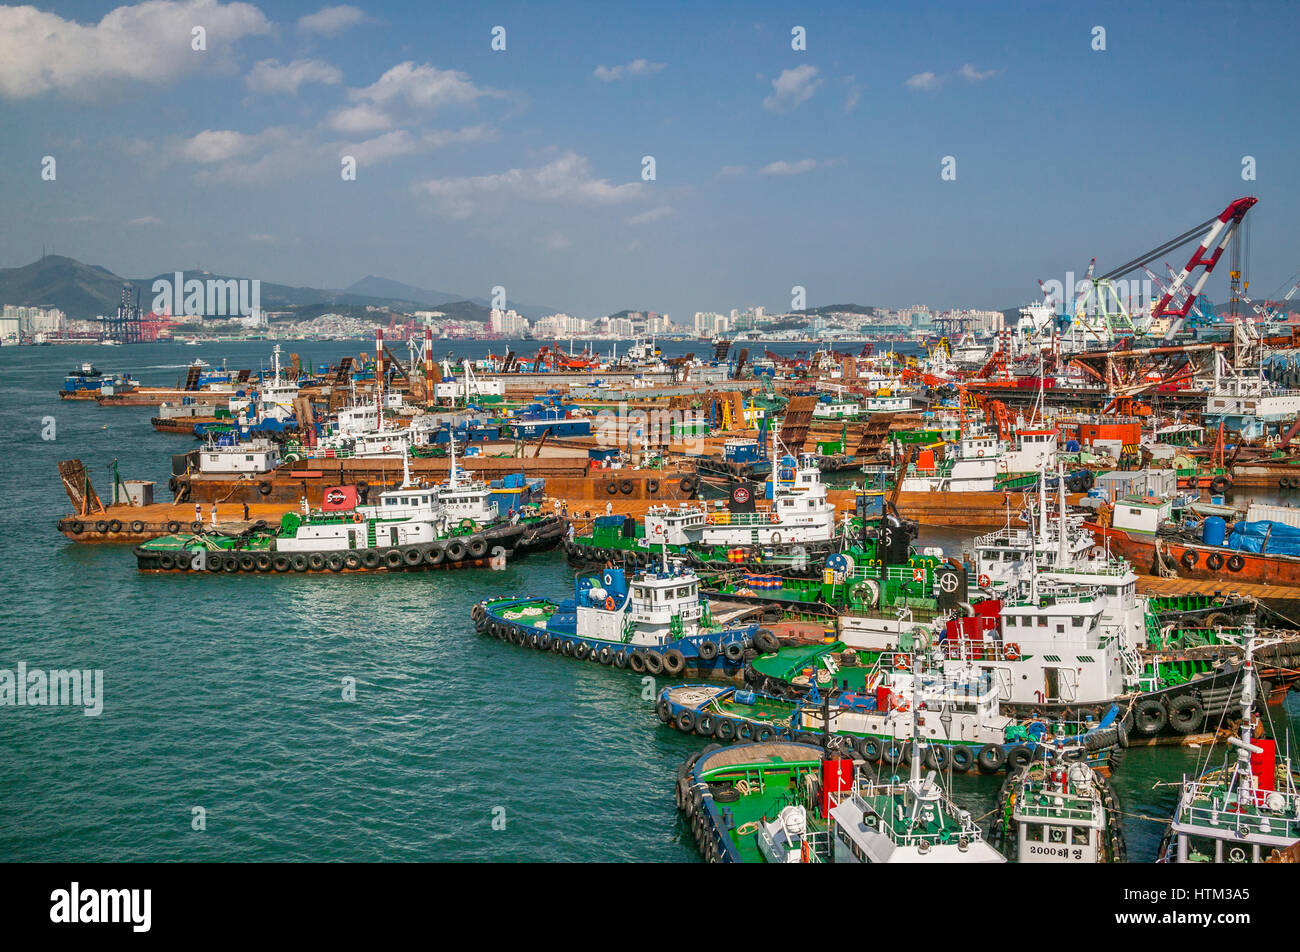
pixel 524 168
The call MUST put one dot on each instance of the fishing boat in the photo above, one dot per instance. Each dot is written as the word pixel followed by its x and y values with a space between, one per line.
pixel 1059 811
pixel 1246 808
pixel 962 726
pixel 657 622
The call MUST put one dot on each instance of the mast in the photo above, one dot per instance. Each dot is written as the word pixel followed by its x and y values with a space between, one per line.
pixel 379 376
pixel 1061 547
pixel 1244 777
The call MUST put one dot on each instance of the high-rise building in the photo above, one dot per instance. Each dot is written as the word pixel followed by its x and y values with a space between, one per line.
pixel 507 323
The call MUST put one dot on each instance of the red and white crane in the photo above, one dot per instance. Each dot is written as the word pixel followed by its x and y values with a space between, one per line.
pixel 1221 231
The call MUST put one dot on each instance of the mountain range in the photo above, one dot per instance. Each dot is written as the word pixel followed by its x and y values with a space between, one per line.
pixel 84 291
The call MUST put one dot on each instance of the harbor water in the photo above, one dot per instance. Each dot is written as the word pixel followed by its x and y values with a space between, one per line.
pixel 319 717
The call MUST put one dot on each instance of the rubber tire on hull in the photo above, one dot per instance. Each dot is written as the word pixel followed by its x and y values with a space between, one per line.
pixel 1150 717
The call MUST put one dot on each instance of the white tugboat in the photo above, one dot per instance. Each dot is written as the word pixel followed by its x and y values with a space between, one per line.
pixel 1059 811
pixel 905 821
pixel 1243 810
pixel 656 622
pixel 971 465
pixel 800 514
pixel 465 498
pixel 407 528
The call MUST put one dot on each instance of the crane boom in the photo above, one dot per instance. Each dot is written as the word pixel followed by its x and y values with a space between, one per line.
pixel 1220 233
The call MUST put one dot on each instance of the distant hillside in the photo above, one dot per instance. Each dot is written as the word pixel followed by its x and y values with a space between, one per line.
pixel 85 291
pixel 438 300
pixel 80 290
pixel 827 310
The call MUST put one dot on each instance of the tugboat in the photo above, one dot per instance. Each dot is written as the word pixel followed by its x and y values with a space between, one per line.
pixel 799 522
pixel 962 725
pixel 659 623
pixel 1059 812
pixel 783 802
pixel 1245 809
pixel 409 529
pixel 88 383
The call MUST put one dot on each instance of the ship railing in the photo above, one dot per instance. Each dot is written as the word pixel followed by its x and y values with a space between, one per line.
pixel 1226 812
pixel 1027 807
pixel 976 649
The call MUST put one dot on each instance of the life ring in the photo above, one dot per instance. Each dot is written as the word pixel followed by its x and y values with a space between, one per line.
pixel 979 452
pixel 658 529
pixel 1236 562
pixel 357 517
pixel 610 604
pixel 1012 651
pixel 983 581
pixel 774 518
pixel 901 661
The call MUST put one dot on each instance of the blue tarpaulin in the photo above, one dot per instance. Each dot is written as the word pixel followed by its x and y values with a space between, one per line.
pixel 1265 536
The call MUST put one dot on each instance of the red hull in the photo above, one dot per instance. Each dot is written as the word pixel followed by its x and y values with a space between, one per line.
pixel 1254 568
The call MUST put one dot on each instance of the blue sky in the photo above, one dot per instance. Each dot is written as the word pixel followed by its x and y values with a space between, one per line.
pixel 522 168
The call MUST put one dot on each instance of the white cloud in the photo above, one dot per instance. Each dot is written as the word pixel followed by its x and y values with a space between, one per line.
pixel 261 238
pixel 270 76
pixel 792 89
pixel 789 168
pixel 216 145
pixel 330 21
pixel 149 42
pixel 279 152
pixel 557 242
pixel 638 67
pixel 924 82
pixel 653 214
pixel 421 87
pixel 147 220
pixel 352 120
pixel 566 180
pixel 929 82
pixel 973 75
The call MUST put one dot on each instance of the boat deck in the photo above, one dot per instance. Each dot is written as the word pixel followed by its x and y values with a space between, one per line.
pixel 773 785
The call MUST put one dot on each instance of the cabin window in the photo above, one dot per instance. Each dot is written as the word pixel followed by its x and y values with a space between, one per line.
pixel 1034 833
pixel 683 593
pixel 1077 621
pixel 1060 629
pixel 1042 622
pixel 1079 835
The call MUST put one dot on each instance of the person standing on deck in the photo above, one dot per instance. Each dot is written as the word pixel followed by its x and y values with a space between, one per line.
pixel 198 512
pixel 245 512
pixel 214 515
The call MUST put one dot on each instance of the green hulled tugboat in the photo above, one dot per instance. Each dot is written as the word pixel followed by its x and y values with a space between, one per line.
pixel 408 529
pixel 790 802
pixel 956 714
pixel 1246 808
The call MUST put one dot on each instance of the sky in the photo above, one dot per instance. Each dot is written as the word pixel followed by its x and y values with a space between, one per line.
pixel 525 168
